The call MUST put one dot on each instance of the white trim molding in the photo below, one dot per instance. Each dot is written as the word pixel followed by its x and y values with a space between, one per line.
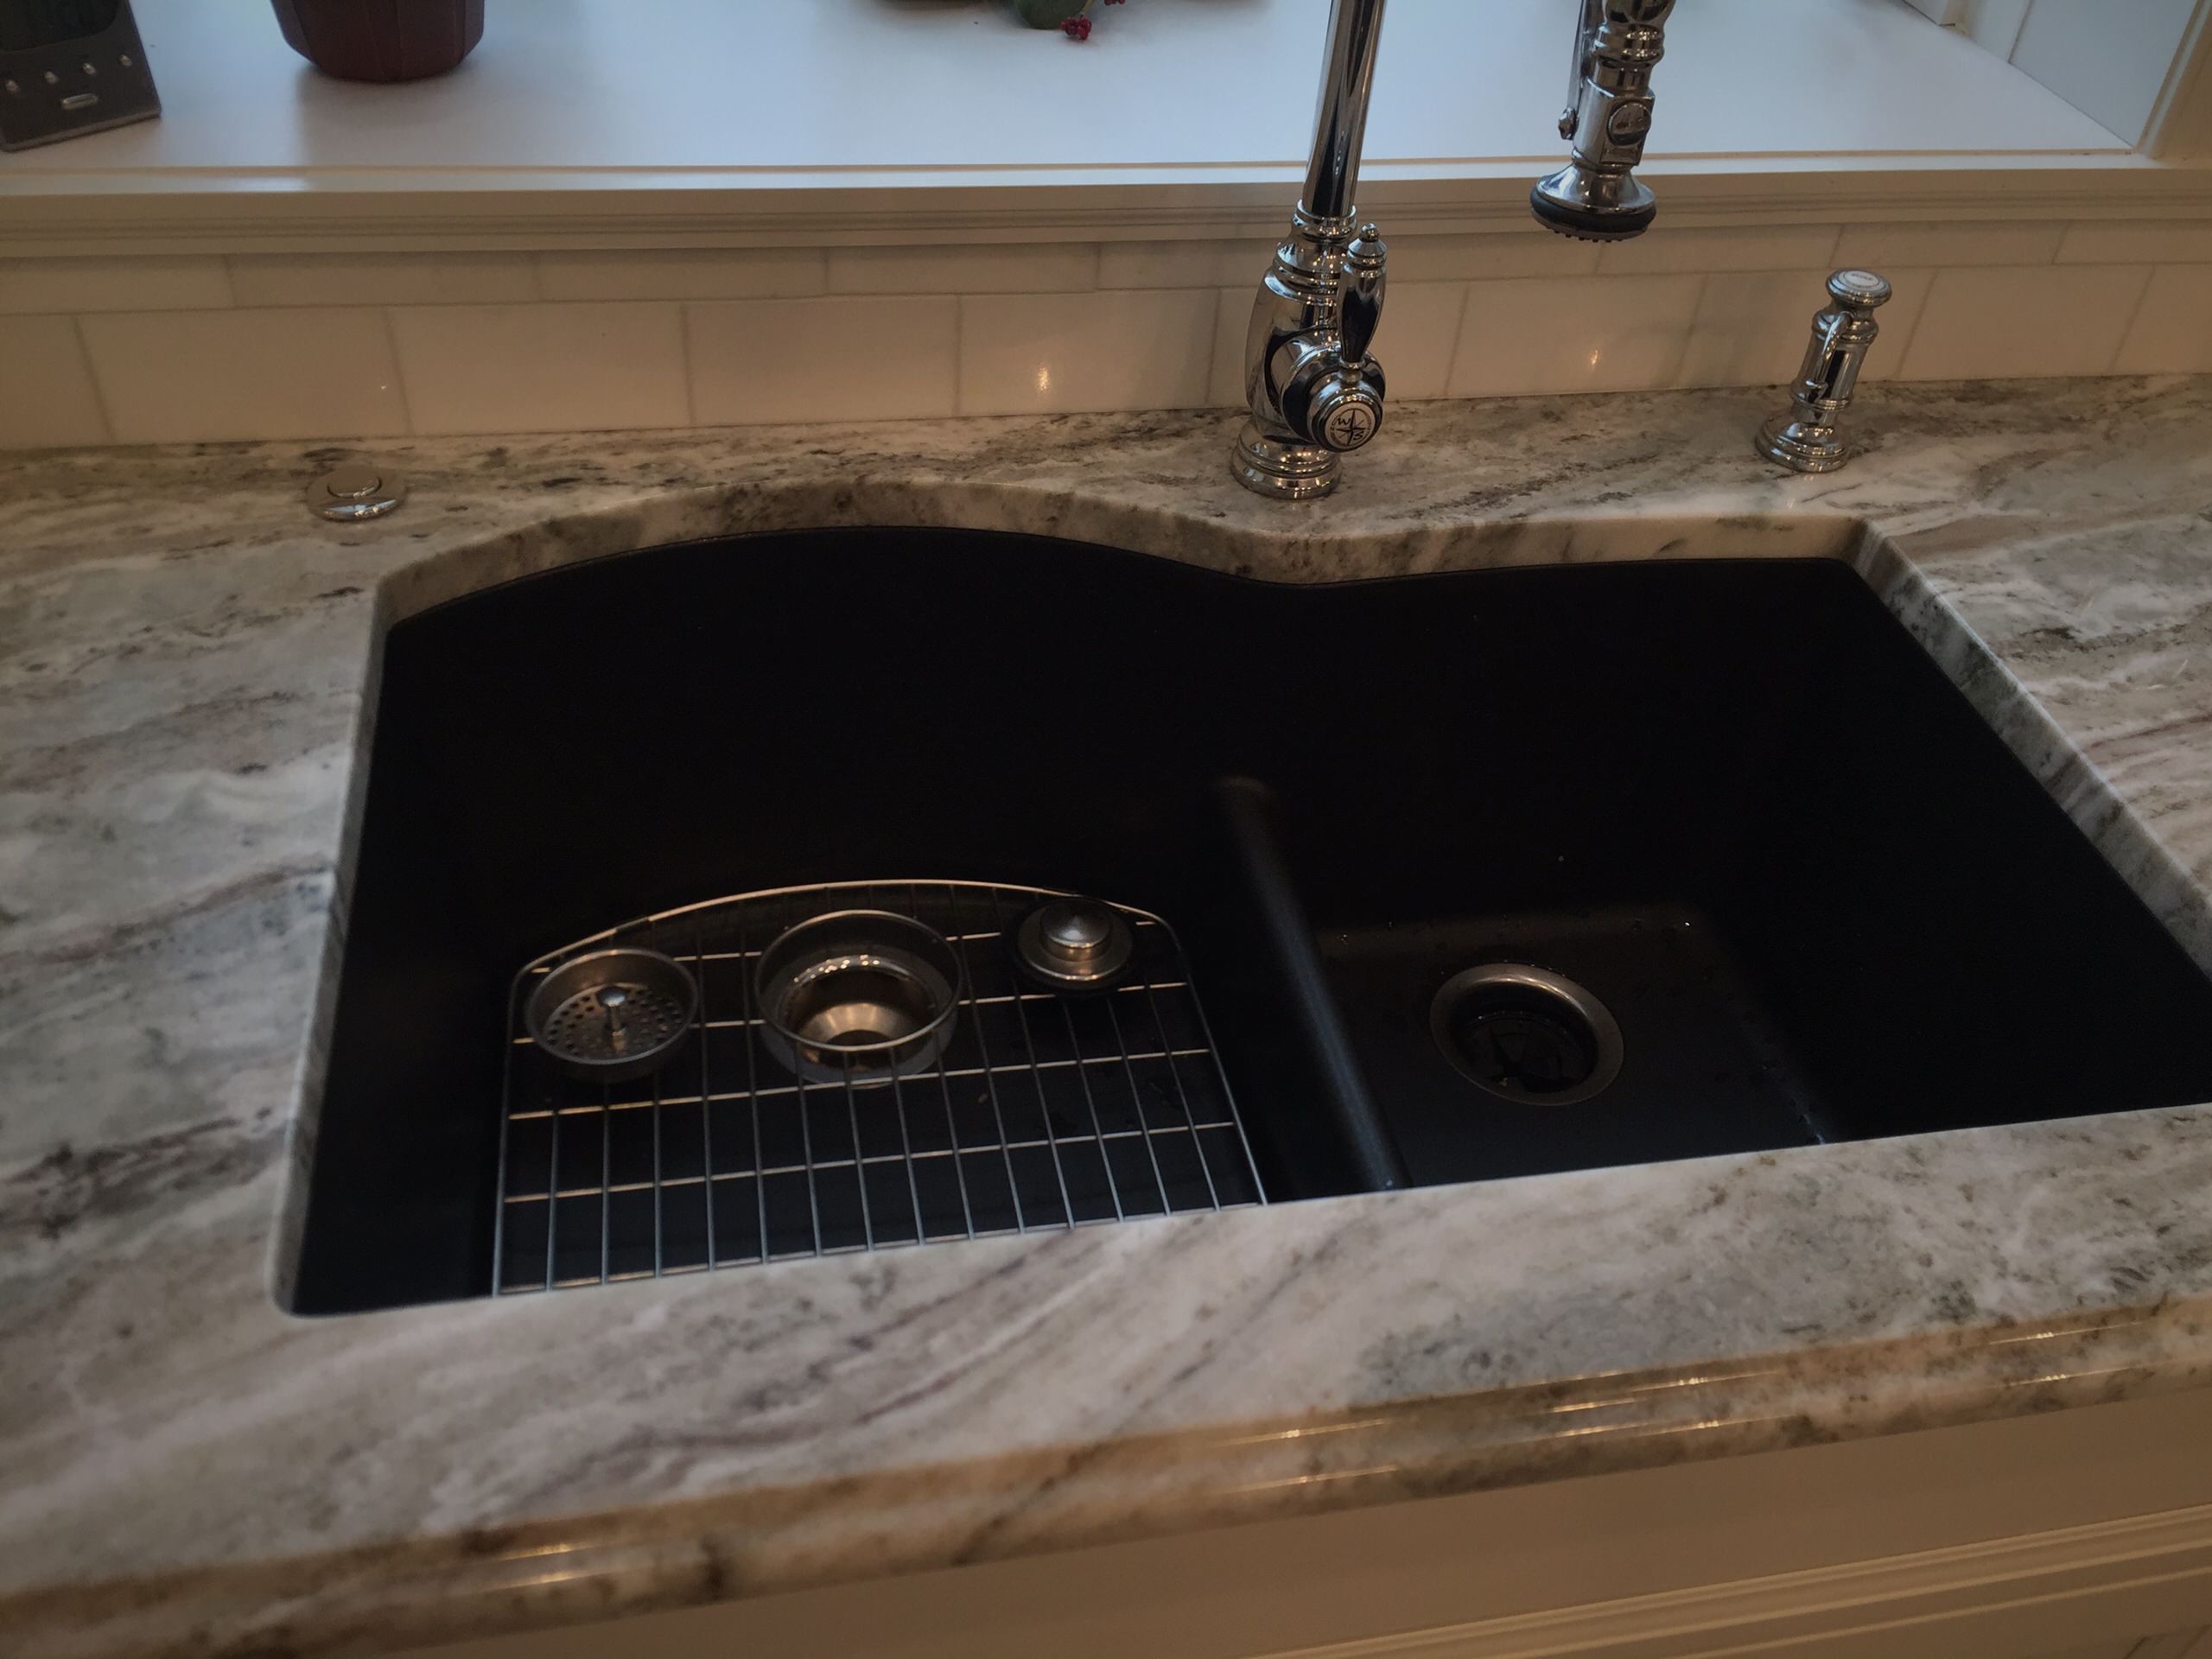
pixel 484 212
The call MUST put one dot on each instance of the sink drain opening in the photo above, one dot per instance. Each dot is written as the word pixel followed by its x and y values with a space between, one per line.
pixel 860 1003
pixel 858 991
pixel 1527 1035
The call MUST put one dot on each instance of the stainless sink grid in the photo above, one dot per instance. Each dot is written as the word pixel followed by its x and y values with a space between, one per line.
pixel 1044 1112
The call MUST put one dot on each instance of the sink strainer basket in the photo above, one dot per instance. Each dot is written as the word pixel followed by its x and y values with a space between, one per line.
pixel 612 1015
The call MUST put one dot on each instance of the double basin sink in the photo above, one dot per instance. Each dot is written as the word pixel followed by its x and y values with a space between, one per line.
pixel 1477 875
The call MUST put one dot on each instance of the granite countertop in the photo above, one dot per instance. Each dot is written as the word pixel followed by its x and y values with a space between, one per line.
pixel 186 664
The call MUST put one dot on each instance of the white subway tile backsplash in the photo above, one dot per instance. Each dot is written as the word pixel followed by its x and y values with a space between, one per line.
pixel 1211 264
pixel 173 376
pixel 1055 353
pixel 2052 319
pixel 2134 241
pixel 381 278
pixel 1504 253
pixel 996 268
pixel 46 396
pixel 1771 247
pixel 1576 334
pixel 2173 331
pixel 1999 242
pixel 682 274
pixel 1751 327
pixel 335 346
pixel 867 358
pixel 542 368
pixel 1420 332
pixel 1232 320
pixel 160 283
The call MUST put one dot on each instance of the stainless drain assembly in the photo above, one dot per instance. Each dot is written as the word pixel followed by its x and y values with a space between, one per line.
pixel 808 1071
pixel 1527 1035
pixel 857 991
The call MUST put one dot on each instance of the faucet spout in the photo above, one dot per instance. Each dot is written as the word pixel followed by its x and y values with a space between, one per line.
pixel 1341 116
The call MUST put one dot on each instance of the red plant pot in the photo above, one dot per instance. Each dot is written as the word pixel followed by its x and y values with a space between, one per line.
pixel 382 40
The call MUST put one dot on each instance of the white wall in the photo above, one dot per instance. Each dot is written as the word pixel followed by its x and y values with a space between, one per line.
pixel 2107 58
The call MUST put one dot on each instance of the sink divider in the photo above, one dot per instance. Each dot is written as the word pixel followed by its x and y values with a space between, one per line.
pixel 1251 815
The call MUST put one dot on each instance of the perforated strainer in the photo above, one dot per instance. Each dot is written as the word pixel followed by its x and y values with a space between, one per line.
pixel 612 1015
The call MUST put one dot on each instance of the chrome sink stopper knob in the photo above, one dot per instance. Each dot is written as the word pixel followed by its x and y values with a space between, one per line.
pixel 1805 437
pixel 1074 943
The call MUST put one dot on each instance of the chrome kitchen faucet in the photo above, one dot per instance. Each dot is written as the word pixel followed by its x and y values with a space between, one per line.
pixel 1313 390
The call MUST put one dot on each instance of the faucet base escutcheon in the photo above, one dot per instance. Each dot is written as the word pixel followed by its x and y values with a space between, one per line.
pixel 1283 468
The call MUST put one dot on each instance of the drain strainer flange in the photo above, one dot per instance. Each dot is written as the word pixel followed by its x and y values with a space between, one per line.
pixel 1526 1034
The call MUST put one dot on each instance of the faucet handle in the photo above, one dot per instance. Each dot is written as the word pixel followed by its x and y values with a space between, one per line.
pixel 1346 409
pixel 1366 269
pixel 1330 402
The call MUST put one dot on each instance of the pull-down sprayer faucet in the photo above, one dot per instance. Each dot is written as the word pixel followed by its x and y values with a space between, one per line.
pixel 1313 390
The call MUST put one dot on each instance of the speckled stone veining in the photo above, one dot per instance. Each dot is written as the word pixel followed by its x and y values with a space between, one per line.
pixel 187 673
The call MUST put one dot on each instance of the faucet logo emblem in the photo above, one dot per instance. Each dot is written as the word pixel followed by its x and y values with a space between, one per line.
pixel 1349 426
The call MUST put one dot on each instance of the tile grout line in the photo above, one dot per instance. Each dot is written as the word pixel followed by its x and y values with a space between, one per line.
pixel 683 350
pixel 1911 331
pixel 92 379
pixel 959 354
pixel 1927 304
pixel 1213 333
pixel 2134 316
pixel 1458 333
pixel 1671 380
pixel 399 373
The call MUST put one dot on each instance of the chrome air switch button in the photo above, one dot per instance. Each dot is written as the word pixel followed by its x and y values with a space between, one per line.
pixel 348 494
pixel 1856 287
pixel 1073 943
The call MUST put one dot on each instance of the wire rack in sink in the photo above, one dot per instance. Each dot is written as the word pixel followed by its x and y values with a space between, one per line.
pixel 1043 1111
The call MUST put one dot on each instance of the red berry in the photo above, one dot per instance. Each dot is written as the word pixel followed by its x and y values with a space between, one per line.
pixel 1076 28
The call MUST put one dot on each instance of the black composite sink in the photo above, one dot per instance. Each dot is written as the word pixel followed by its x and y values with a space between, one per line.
pixel 1731 801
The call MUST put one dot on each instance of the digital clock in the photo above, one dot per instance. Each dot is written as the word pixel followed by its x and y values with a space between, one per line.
pixel 70 67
